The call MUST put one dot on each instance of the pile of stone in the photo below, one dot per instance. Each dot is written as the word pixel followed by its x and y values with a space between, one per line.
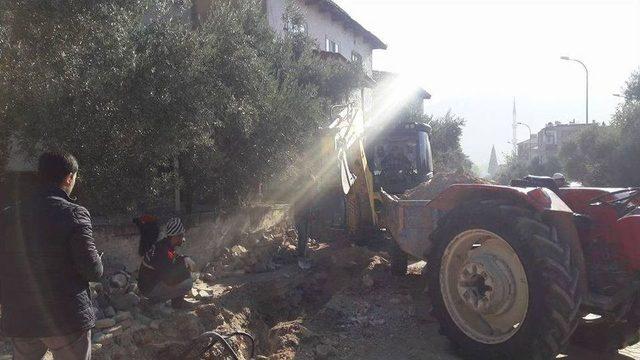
pixel 114 299
pixel 150 331
pixel 253 253
pixel 201 291
pixel 116 292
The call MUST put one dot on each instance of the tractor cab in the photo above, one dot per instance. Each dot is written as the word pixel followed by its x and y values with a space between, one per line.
pixel 400 157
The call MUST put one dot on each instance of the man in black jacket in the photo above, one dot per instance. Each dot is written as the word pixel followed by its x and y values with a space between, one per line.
pixel 48 256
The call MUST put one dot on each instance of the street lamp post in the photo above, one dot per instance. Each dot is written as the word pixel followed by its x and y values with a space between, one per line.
pixel 587 83
pixel 529 128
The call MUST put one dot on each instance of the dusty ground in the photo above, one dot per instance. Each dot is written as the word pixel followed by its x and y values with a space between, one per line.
pixel 371 314
pixel 347 306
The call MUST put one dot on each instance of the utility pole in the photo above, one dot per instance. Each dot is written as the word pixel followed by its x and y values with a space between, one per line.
pixel 529 128
pixel 586 71
pixel 514 139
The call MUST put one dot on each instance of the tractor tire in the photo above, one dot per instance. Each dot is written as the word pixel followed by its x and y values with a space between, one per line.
pixel 398 258
pixel 502 283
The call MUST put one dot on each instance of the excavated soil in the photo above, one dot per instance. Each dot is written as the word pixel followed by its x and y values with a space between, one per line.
pixel 441 181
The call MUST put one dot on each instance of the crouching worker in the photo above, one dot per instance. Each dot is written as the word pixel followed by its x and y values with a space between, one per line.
pixel 164 274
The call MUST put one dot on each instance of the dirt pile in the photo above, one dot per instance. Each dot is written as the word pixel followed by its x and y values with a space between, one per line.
pixel 441 181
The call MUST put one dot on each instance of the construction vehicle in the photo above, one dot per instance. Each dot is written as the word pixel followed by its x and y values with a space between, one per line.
pixel 403 146
pixel 512 271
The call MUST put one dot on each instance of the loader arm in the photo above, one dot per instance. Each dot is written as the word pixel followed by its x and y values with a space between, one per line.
pixel 344 142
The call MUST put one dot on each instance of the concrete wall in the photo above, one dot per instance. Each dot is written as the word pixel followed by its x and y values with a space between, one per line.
pixel 207 235
pixel 321 26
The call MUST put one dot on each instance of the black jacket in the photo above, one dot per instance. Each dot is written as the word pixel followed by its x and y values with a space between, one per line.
pixel 47 258
pixel 161 263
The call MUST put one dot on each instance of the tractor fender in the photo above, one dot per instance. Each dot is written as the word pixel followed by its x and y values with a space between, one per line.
pixel 539 199
pixel 548 204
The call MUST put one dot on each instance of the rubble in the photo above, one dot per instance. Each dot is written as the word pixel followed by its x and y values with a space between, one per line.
pixel 265 249
pixel 292 314
pixel 324 351
pixel 105 323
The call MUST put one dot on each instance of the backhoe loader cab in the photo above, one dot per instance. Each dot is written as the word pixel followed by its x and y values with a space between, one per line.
pixel 400 157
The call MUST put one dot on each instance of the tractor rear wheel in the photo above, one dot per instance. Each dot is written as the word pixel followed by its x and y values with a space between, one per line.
pixel 502 283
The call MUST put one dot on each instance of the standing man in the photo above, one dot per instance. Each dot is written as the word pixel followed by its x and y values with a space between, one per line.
pixel 48 258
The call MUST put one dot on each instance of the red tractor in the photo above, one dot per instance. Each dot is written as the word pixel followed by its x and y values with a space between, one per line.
pixel 512 271
pixel 518 271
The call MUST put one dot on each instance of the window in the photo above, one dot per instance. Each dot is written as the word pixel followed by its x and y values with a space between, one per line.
pixel 332 46
pixel 550 137
pixel 356 58
pixel 295 26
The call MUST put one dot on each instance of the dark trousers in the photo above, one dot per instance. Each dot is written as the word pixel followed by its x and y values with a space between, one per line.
pixel 303 230
pixel 65 347
pixel 163 292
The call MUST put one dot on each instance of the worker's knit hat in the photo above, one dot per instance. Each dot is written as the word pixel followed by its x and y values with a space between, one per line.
pixel 174 227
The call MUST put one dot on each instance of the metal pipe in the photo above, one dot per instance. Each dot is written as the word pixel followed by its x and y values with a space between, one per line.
pixel 520 123
pixel 218 338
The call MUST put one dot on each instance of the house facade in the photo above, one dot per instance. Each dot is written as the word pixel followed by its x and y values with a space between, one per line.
pixel 528 149
pixel 335 34
pixel 332 29
pixel 551 138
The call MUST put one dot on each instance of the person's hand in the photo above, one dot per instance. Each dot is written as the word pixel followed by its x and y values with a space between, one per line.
pixel 190 264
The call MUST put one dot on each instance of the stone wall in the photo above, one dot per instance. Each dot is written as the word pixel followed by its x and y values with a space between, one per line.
pixel 207 234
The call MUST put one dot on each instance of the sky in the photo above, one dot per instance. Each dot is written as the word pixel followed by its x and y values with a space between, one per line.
pixel 475 56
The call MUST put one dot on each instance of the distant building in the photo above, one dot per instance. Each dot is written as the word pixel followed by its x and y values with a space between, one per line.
pixel 528 149
pixel 551 138
pixel 493 163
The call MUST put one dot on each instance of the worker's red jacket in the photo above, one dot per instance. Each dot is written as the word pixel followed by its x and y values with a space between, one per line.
pixel 161 263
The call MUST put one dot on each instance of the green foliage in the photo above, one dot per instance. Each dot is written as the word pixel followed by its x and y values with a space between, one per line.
pixel 626 168
pixel 607 156
pixel 128 86
pixel 446 134
pixel 598 155
pixel 516 168
pixel 4 125
pixel 589 158
pixel 632 92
